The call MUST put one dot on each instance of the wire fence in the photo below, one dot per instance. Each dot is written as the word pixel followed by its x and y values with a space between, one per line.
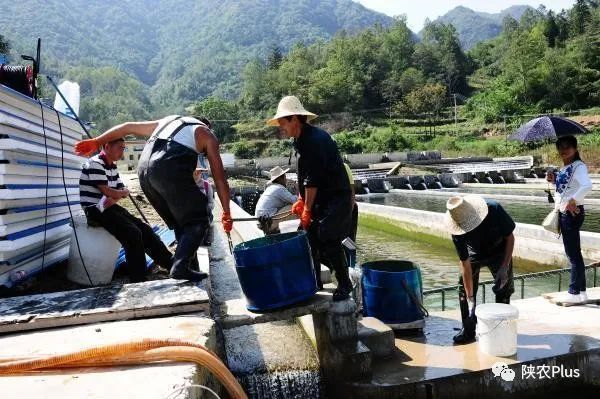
pixel 526 286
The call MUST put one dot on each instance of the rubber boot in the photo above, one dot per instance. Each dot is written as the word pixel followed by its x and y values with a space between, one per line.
pixel 337 259
pixel 190 239
pixel 467 334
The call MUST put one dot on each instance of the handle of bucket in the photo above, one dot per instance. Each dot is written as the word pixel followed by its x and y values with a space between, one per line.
pixel 491 329
pixel 414 299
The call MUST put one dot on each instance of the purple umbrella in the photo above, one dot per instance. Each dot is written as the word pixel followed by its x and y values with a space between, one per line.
pixel 547 127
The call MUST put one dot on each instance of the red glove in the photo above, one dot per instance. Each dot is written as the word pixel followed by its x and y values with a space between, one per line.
pixel 87 147
pixel 298 207
pixel 306 219
pixel 227 222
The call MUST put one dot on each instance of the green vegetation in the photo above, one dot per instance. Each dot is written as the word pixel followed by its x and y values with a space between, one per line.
pixel 379 89
pixel 180 51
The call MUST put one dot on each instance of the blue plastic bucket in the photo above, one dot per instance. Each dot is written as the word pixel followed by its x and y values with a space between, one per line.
pixel 275 271
pixel 390 289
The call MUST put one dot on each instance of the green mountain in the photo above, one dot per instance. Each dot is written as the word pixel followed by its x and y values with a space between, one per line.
pixel 474 27
pixel 181 50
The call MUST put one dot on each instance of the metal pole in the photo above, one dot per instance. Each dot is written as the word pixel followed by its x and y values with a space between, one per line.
pixel 90 136
pixel 455 115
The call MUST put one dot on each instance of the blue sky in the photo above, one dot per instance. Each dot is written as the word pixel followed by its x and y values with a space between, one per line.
pixel 416 11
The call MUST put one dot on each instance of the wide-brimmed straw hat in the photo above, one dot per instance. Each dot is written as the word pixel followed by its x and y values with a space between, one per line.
pixel 465 214
pixel 277 172
pixel 289 106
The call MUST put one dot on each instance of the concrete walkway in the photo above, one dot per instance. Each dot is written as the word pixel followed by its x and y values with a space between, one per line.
pixel 429 365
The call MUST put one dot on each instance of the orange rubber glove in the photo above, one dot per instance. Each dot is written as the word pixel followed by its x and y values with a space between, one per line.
pixel 298 207
pixel 306 219
pixel 227 222
pixel 87 147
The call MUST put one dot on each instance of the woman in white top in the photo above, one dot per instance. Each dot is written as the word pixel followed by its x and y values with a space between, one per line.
pixel 572 184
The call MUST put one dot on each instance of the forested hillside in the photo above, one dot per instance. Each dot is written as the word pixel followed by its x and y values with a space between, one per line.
pixel 180 51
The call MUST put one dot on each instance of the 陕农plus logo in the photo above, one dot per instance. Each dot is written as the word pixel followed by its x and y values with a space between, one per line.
pixel 528 371
pixel 500 369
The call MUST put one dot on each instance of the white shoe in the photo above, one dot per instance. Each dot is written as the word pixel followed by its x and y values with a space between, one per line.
pixel 571 298
pixel 583 296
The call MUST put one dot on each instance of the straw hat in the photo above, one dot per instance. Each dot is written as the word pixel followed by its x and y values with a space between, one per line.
pixel 277 172
pixel 465 214
pixel 289 106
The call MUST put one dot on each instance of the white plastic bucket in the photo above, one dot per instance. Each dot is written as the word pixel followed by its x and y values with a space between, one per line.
pixel 99 250
pixel 497 328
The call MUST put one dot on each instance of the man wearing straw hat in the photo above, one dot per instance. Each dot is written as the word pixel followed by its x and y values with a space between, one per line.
pixel 482 233
pixel 276 200
pixel 325 203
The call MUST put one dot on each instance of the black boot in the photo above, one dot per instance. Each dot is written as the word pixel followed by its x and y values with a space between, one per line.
pixel 341 293
pixel 185 273
pixel 190 239
pixel 337 259
pixel 467 334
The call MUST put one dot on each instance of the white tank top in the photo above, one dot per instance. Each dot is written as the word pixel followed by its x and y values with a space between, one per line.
pixel 185 136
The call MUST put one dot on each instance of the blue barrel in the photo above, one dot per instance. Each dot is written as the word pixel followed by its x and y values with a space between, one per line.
pixel 390 289
pixel 275 271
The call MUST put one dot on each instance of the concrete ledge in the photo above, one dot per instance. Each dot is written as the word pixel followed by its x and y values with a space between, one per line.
pixel 374 334
pixel 156 381
pixel 446 193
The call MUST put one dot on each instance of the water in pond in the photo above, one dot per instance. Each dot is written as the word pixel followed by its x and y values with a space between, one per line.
pixel 539 192
pixel 522 212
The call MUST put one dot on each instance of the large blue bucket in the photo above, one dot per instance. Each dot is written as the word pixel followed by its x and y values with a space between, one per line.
pixel 390 289
pixel 275 271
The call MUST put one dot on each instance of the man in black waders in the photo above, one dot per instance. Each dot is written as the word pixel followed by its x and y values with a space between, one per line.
pixel 482 233
pixel 166 168
pixel 325 203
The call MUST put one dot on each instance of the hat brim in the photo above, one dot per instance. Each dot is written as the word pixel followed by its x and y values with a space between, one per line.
pixel 273 178
pixel 481 211
pixel 275 120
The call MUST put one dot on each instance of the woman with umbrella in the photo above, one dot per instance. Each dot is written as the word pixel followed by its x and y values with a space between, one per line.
pixel 572 184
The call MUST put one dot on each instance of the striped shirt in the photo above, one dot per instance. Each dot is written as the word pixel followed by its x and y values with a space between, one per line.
pixel 96 172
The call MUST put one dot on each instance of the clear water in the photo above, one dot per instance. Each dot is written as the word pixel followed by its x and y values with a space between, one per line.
pixel 513 191
pixel 522 212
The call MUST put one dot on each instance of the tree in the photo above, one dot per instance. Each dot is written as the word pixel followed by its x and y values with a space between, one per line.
pixel 551 30
pixel 221 113
pixel 428 100
pixel 275 58
pixel 580 16
pixel 441 57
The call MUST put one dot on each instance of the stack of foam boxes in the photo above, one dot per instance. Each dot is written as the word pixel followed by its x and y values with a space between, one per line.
pixel 39 182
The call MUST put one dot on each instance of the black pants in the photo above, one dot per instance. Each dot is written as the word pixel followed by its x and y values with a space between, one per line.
pixel 166 172
pixel 331 224
pixel 570 227
pixel 136 237
pixel 354 223
pixel 502 295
